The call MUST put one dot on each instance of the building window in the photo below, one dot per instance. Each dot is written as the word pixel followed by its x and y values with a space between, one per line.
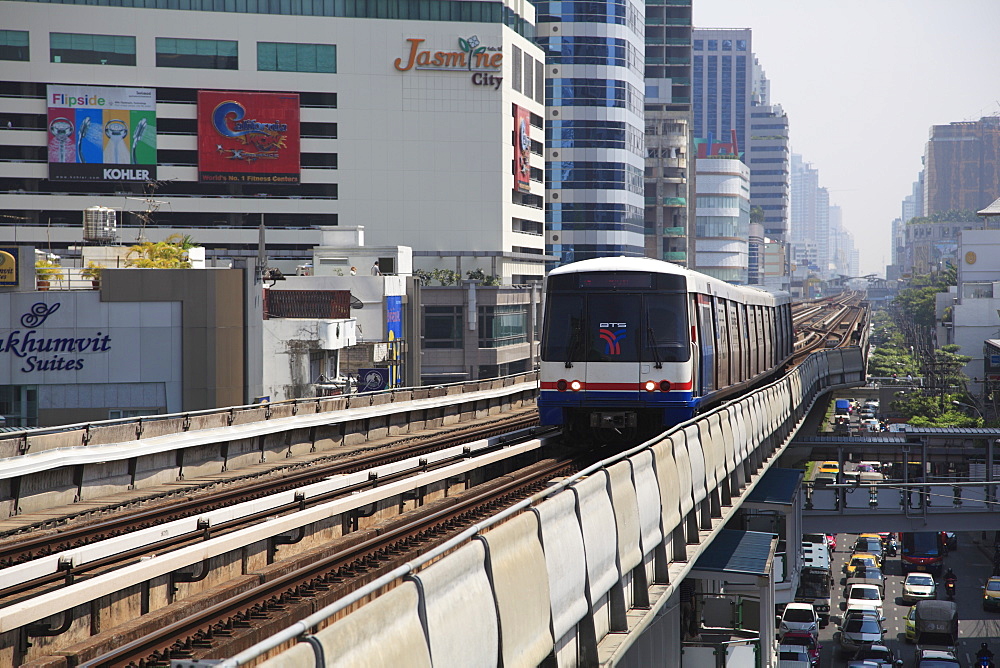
pixel 202 54
pixel 443 327
pixel 284 57
pixel 503 325
pixel 14 45
pixel 67 47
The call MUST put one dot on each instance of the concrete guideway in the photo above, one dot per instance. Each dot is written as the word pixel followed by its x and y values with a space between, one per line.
pixel 73 465
pixel 65 598
pixel 635 523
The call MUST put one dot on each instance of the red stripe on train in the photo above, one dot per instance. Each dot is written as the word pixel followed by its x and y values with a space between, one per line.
pixel 630 387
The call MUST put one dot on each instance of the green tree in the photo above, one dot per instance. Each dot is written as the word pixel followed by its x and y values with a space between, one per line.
pixel 171 253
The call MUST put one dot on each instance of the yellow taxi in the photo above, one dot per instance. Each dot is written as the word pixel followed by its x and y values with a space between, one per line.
pixel 876 536
pixel 860 560
pixel 829 467
pixel 991 594
pixel 911 624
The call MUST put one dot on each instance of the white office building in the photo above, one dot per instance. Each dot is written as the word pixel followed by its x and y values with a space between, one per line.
pixel 421 122
pixel 722 221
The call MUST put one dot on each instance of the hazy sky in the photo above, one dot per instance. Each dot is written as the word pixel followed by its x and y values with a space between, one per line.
pixel 862 82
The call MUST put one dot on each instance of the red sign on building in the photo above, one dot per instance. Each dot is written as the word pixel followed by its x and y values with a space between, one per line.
pixel 248 137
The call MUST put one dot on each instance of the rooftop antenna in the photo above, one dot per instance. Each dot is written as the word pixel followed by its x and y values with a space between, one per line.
pixel 152 205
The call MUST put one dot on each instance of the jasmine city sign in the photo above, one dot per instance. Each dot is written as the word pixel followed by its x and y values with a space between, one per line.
pixel 485 62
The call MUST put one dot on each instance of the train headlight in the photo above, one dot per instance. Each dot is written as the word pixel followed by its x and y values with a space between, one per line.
pixel 576 385
pixel 664 386
pixel 650 386
pixel 562 385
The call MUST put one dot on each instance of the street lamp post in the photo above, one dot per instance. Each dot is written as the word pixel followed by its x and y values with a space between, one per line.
pixel 981 417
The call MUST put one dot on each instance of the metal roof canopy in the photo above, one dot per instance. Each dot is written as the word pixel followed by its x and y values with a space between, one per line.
pixel 900 437
pixel 744 556
pixel 777 486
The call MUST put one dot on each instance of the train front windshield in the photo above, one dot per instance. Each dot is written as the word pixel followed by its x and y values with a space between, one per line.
pixel 612 325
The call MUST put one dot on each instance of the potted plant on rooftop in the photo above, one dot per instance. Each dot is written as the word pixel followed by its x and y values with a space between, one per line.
pixel 93 272
pixel 45 272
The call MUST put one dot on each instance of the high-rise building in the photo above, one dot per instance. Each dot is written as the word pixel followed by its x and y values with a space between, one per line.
pixel 722 82
pixel 731 104
pixel 425 128
pixel 668 189
pixel 722 221
pixel 810 216
pixel 962 166
pixel 594 69
pixel 913 204
pixel 768 157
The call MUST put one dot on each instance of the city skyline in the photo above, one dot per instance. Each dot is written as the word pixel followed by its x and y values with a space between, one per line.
pixel 854 74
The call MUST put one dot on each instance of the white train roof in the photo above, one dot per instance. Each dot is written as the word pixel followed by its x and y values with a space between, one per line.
pixel 697 282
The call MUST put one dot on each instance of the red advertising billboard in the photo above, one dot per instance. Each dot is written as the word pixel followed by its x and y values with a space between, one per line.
pixel 522 149
pixel 248 137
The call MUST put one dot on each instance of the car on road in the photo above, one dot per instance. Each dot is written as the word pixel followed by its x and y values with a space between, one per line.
pixel 829 467
pixel 919 586
pixel 799 617
pixel 860 560
pixel 910 621
pixel 870 544
pixel 793 656
pixel 871 576
pixel 936 658
pixel 806 640
pixel 991 593
pixel 859 630
pixel 864 597
pixel 875 656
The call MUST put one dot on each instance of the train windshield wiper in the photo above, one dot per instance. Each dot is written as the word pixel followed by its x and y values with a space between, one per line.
pixel 575 341
pixel 656 352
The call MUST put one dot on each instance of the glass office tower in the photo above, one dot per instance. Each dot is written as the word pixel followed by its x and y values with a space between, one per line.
pixel 594 91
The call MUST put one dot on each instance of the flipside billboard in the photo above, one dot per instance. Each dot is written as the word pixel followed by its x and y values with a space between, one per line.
pixel 101 133
pixel 522 149
pixel 248 137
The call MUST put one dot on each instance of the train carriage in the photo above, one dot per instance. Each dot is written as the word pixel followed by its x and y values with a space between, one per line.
pixel 632 346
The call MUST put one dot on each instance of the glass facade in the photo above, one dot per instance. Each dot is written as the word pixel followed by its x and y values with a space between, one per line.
pixel 503 325
pixel 609 175
pixel 91 49
pixel 595 105
pixel 282 57
pixel 443 327
pixel 417 10
pixel 202 54
pixel 14 45
pixel 593 134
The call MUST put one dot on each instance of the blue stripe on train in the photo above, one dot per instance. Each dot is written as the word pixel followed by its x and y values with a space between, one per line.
pixel 677 406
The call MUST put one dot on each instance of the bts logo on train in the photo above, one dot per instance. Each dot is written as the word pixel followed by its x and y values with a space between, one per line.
pixel 613 333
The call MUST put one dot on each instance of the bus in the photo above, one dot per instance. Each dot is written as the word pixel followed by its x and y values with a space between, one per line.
pixel 922 551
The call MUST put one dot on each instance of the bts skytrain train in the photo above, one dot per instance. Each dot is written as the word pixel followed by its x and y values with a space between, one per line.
pixel 632 346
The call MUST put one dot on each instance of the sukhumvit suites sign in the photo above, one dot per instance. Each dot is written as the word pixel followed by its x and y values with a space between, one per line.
pixel 37 352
